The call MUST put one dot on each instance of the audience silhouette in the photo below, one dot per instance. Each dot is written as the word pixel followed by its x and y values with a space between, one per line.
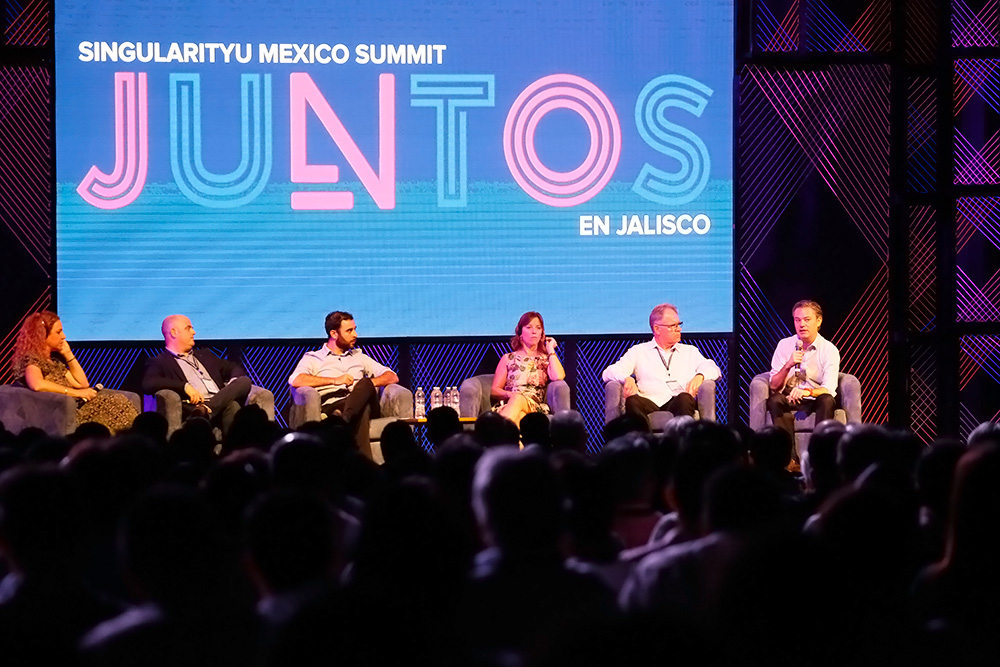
pixel 695 545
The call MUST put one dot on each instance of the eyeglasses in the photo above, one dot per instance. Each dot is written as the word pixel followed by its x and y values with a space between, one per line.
pixel 673 327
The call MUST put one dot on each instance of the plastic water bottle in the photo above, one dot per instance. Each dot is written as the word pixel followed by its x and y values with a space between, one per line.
pixel 436 398
pixel 456 400
pixel 419 404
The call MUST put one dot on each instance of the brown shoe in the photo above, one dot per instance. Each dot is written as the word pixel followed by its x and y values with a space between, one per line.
pixel 200 411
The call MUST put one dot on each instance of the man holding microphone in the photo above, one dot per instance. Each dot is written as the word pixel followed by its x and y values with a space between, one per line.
pixel 804 370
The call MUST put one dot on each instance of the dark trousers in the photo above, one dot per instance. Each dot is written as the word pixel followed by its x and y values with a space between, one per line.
pixel 783 413
pixel 358 409
pixel 641 407
pixel 225 404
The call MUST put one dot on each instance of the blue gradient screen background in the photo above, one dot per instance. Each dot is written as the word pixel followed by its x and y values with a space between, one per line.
pixel 261 270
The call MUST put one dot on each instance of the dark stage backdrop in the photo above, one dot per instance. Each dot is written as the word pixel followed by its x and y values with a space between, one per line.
pixel 866 161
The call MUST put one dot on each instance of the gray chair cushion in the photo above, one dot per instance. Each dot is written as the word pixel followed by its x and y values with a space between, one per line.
pixel 848 407
pixel 55 414
pixel 614 404
pixel 474 395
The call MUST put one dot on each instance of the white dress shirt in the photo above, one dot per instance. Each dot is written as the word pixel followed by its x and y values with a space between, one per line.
pixel 649 362
pixel 820 361
pixel 324 362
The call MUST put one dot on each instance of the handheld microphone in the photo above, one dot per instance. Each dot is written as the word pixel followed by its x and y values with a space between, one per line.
pixel 98 386
pixel 797 369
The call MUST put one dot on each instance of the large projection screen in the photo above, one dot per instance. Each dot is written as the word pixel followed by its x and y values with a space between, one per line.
pixel 435 167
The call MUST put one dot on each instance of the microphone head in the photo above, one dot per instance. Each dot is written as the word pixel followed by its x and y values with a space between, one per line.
pixel 798 343
pixel 98 386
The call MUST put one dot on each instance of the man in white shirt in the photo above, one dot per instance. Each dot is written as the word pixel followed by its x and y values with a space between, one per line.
pixel 805 371
pixel 662 374
pixel 346 378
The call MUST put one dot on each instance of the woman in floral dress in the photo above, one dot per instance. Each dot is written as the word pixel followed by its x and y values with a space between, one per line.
pixel 524 373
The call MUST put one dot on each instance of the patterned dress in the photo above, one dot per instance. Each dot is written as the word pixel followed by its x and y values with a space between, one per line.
pixel 528 376
pixel 110 408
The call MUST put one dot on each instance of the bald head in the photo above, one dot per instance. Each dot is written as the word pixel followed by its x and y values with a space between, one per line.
pixel 178 333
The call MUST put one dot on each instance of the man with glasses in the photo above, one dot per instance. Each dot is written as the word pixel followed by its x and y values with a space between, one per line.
pixel 209 387
pixel 662 374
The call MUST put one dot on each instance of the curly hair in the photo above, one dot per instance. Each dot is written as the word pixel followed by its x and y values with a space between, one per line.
pixel 31 338
pixel 515 342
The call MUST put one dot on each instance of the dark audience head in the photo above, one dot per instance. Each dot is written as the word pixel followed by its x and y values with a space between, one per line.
pixel 290 538
pixel 9 458
pixel 303 462
pixel 153 425
pixel 971 542
pixel 113 473
pixel 516 500
pixel 402 455
pixel 819 460
pixel 47 450
pixel 935 472
pixel 251 429
pixel 704 448
pixel 452 469
pixel 771 448
pixel 407 542
pixel 192 444
pixel 41 519
pixel 233 483
pixel 987 433
pixel 869 529
pixel 625 470
pixel 535 429
pixel 28 435
pixel 442 423
pixel 589 511
pixel 741 499
pixel 90 431
pixel 567 430
pixel 623 425
pixel 492 430
pixel 861 446
pixel 171 547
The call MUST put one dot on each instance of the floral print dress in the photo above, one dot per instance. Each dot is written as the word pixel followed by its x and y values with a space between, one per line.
pixel 528 376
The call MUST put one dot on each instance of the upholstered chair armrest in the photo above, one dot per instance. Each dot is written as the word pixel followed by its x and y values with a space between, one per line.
pixel 396 401
pixel 557 396
pixel 470 397
pixel 168 404
pixel 21 407
pixel 263 398
pixel 614 399
pixel 849 392
pixel 706 400
pixel 760 389
pixel 305 406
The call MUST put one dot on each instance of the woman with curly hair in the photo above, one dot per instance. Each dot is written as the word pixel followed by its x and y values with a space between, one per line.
pixel 43 361
pixel 524 373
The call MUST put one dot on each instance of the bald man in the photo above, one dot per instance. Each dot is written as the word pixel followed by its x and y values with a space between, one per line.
pixel 209 387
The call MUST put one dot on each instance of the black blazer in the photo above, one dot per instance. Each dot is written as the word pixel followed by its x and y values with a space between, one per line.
pixel 162 372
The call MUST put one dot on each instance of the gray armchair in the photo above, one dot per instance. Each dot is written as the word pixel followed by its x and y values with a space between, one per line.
pixel 474 395
pixel 848 407
pixel 168 403
pixel 614 404
pixel 55 414
pixel 396 402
